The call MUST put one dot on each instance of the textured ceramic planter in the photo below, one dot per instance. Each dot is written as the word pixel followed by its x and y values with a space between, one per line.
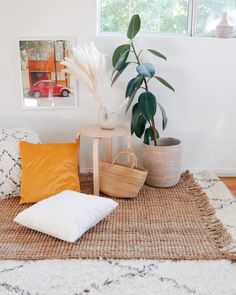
pixel 163 162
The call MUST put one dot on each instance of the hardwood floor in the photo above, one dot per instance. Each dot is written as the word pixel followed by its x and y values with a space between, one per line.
pixel 231 183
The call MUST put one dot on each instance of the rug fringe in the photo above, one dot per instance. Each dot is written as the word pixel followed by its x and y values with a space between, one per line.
pixel 217 231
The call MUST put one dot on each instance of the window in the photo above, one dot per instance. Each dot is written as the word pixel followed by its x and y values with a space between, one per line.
pixel 60 76
pixel 165 16
pixel 157 15
pixel 209 14
pixel 41 84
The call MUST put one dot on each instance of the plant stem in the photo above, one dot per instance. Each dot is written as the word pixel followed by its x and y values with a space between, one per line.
pixel 154 131
pixel 152 123
pixel 135 53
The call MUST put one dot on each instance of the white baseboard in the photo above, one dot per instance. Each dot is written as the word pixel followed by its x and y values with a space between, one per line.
pixel 226 173
pixel 86 170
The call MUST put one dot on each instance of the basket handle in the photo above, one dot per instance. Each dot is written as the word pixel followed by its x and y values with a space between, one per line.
pixel 134 162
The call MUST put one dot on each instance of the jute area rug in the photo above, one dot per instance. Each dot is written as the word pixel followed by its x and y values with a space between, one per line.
pixel 177 223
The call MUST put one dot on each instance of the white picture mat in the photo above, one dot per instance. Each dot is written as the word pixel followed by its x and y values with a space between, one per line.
pixel 74 82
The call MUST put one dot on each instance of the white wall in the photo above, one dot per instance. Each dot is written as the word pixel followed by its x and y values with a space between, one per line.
pixel 201 113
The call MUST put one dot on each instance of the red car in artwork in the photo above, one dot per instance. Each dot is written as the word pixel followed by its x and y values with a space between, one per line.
pixel 47 88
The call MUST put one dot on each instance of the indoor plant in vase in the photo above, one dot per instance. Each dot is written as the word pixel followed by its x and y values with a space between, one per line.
pixel 162 156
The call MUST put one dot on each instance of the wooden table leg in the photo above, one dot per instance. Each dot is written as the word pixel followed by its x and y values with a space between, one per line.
pixel 109 150
pixel 78 140
pixel 129 140
pixel 129 145
pixel 77 137
pixel 95 167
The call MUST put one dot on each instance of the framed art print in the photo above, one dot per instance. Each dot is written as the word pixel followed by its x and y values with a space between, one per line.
pixel 45 83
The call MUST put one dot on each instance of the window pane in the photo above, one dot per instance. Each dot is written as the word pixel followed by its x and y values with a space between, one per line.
pixel 164 16
pixel 209 14
pixel 114 15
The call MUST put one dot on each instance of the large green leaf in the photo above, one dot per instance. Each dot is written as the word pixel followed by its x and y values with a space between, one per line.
pixel 133 84
pixel 140 127
pixel 122 60
pixel 149 135
pixel 135 117
pixel 164 117
pixel 157 53
pixel 131 87
pixel 164 82
pixel 147 70
pixel 118 73
pixel 134 26
pixel 147 105
pixel 131 98
pixel 118 52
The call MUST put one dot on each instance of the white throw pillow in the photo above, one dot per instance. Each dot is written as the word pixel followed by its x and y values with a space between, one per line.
pixel 10 164
pixel 66 216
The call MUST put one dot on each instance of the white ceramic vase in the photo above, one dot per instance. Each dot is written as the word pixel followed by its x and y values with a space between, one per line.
pixel 224 29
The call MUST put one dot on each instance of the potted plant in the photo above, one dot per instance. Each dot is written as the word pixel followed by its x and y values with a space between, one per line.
pixel 161 155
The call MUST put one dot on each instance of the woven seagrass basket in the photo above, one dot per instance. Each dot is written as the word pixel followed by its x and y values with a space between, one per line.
pixel 121 180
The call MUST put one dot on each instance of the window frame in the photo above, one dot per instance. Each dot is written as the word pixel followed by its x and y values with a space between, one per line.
pixel 191 24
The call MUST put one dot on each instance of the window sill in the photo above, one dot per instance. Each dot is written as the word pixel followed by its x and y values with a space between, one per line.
pixel 152 35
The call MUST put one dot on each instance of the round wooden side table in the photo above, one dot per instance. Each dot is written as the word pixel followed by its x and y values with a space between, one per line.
pixel 97 133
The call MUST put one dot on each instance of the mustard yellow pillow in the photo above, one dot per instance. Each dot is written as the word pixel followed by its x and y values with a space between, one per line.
pixel 48 169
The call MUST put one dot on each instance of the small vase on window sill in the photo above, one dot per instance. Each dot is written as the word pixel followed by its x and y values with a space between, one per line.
pixel 224 29
pixel 107 120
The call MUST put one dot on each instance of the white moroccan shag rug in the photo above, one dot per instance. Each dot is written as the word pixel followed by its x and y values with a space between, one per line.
pixel 128 277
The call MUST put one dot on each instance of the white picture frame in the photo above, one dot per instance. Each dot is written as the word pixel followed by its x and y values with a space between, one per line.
pixel 44 82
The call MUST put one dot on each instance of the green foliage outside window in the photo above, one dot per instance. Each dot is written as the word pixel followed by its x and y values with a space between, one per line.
pixel 164 16
pixel 158 15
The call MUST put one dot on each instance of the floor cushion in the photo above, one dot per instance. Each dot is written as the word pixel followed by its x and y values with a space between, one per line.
pixel 48 169
pixel 67 215
pixel 10 163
